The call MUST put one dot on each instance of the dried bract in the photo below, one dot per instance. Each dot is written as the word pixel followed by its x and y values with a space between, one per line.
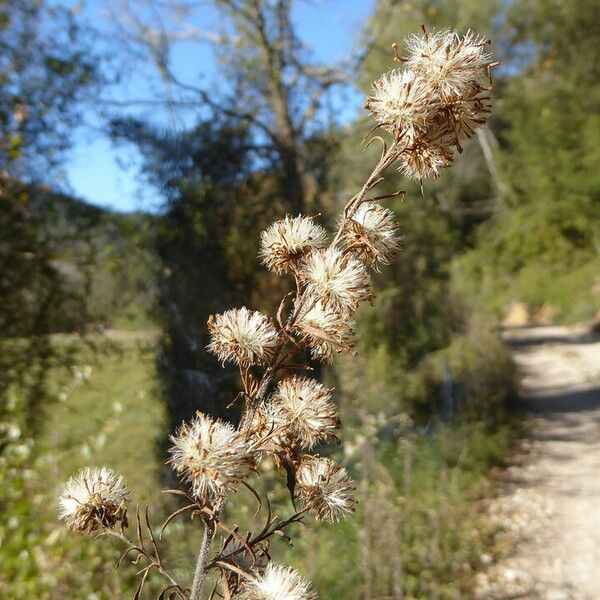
pixel 210 455
pixel 242 336
pixel 325 488
pixel 338 280
pixel 278 583
pixel 305 408
pixel 286 242
pixel 372 233
pixel 324 331
pixel 92 499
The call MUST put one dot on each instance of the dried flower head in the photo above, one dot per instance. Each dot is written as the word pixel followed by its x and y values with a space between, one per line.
pixel 423 159
pixel 242 336
pixel 324 330
pixel 465 114
pixel 278 583
pixel 286 242
pixel 372 232
pixel 451 64
pixel 92 499
pixel 325 488
pixel 337 279
pixel 401 102
pixel 306 409
pixel 211 455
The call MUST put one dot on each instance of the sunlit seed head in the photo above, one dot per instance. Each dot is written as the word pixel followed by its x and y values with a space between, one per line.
pixel 305 408
pixel 286 242
pixel 401 102
pixel 337 279
pixel 211 456
pixel 325 488
pixel 372 233
pixel 278 583
pixel 92 499
pixel 324 330
pixel 451 64
pixel 242 336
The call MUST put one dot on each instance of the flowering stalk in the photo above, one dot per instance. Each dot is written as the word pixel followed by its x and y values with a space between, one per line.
pixel 436 99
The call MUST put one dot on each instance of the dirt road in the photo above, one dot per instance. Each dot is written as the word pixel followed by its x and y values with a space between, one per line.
pixel 550 507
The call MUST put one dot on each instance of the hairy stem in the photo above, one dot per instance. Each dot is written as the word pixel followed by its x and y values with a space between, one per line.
pixel 201 563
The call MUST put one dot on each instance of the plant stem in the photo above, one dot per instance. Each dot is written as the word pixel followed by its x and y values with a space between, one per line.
pixel 201 563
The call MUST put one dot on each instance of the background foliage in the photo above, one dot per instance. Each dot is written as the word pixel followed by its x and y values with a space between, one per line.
pixel 102 315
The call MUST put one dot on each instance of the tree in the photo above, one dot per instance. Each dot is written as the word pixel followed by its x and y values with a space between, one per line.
pixel 268 82
pixel 45 67
pixel 542 247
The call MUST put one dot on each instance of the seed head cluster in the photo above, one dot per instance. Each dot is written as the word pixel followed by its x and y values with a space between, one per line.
pixel 436 100
pixel 93 499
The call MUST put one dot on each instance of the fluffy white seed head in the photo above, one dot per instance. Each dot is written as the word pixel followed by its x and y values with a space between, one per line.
pixel 451 64
pixel 305 408
pixel 242 336
pixel 401 102
pixel 339 280
pixel 325 488
pixel 372 232
pixel 211 456
pixel 324 330
pixel 92 499
pixel 278 583
pixel 286 242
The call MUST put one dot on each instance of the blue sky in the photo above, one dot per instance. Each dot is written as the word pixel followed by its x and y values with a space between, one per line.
pixel 102 174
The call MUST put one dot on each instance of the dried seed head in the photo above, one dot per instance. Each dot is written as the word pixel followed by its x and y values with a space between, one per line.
pixel 325 488
pixel 372 233
pixel 465 114
pixel 92 499
pixel 451 64
pixel 424 160
pixel 338 280
pixel 286 242
pixel 306 409
pixel 210 455
pixel 242 336
pixel 402 102
pixel 324 330
pixel 278 583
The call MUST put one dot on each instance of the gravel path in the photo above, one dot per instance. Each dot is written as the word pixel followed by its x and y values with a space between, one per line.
pixel 550 507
